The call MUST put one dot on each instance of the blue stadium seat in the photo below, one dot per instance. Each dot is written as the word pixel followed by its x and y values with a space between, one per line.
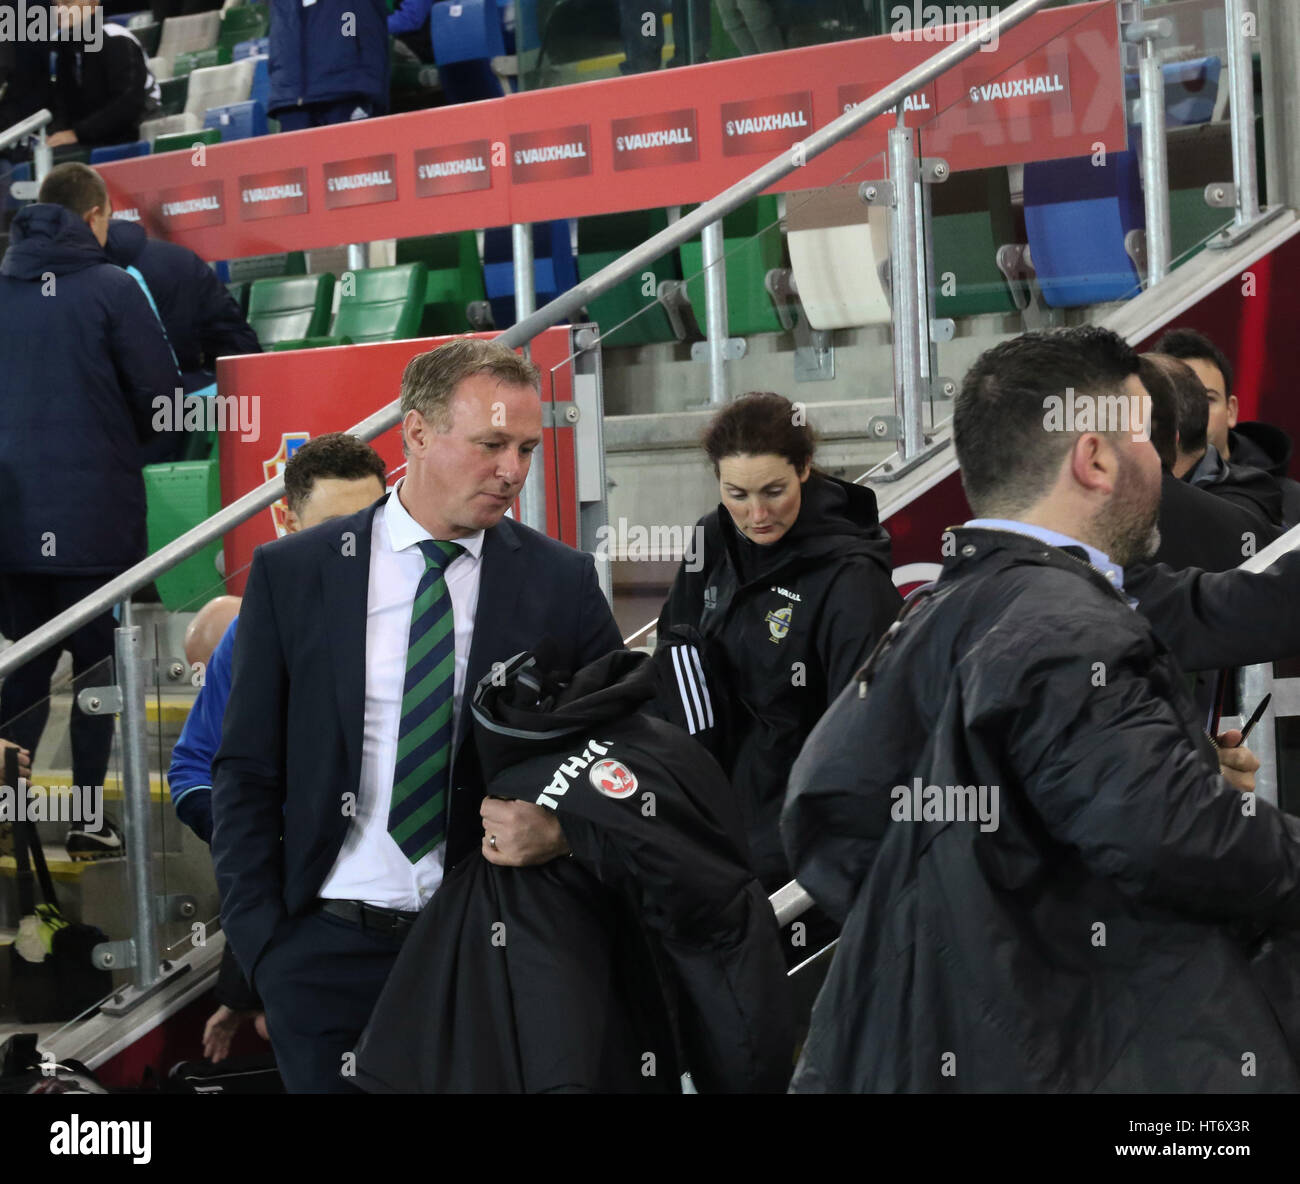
pixel 237 121
pixel 467 35
pixel 261 91
pixel 555 270
pixel 119 152
pixel 1191 90
pixel 256 48
pixel 1078 216
pixel 466 31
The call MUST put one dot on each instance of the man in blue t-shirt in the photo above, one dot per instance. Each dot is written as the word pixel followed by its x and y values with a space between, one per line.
pixel 328 477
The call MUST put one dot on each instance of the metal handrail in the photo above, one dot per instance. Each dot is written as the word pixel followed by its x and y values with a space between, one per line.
pixel 519 334
pixel 25 127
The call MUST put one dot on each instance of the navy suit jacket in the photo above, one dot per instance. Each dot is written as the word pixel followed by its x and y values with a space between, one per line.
pixel 288 770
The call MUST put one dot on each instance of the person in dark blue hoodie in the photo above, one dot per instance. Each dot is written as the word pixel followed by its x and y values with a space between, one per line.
pixel 201 318
pixel 328 62
pixel 84 360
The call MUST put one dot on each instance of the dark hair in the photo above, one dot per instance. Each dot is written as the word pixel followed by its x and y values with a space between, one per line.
pixel 1009 456
pixel 74 186
pixel 760 423
pixel 1188 343
pixel 1164 408
pixel 335 455
pixel 1191 404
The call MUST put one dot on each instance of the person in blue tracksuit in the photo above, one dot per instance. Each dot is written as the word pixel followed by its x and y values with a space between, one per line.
pixel 328 62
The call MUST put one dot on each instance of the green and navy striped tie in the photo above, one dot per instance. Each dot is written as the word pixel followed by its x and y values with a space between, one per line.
pixel 418 813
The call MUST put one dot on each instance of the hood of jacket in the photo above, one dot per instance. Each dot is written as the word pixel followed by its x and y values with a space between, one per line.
pixel 49 238
pixel 1246 482
pixel 126 241
pixel 528 707
pixel 1261 445
pixel 836 518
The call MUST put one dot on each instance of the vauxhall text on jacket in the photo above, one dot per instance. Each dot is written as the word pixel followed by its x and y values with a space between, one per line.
pixel 567 996
pixel 1106 924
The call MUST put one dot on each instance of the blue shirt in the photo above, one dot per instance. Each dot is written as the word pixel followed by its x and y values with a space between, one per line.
pixel 190 775
pixel 409 16
pixel 1100 561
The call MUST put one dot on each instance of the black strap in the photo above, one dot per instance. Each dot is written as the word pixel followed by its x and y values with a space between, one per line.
pixel 27 843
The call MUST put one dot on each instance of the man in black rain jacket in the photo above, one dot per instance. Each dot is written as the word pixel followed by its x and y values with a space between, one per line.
pixel 1044 882
pixel 544 978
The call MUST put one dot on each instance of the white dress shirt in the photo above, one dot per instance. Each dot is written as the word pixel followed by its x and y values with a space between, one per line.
pixel 371 866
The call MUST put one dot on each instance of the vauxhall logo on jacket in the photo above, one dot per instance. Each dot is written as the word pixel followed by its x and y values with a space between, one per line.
pixel 609 777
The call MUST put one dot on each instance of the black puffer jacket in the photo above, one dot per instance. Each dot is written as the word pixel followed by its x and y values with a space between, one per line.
pixel 1113 929
pixel 570 997
pixel 784 627
pixel 1269 448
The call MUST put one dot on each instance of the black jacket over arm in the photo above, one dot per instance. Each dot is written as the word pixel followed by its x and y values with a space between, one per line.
pixel 291 743
pixel 1215 619
pixel 658 911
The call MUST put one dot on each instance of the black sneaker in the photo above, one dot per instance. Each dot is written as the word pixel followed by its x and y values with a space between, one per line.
pixel 104 843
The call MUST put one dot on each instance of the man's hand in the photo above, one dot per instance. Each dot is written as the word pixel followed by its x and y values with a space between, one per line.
pixel 60 138
pixel 1236 762
pixel 219 1031
pixel 24 759
pixel 525 834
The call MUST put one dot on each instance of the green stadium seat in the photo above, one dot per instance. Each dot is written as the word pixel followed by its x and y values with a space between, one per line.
pixel 381 304
pixel 308 343
pixel 290 308
pixel 1199 155
pixel 972 218
pixel 261 267
pixel 196 59
pixel 242 24
pixel 184 141
pixel 753 246
pixel 174 93
pixel 180 496
pixel 603 239
pixel 454 279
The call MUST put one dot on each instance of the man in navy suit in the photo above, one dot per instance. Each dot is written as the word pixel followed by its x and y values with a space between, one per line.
pixel 315 794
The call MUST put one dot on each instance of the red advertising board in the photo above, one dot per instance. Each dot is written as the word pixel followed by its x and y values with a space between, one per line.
pixel 454 168
pixel 361 181
pixel 303 393
pixel 276 194
pixel 643 141
pixel 1051 87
